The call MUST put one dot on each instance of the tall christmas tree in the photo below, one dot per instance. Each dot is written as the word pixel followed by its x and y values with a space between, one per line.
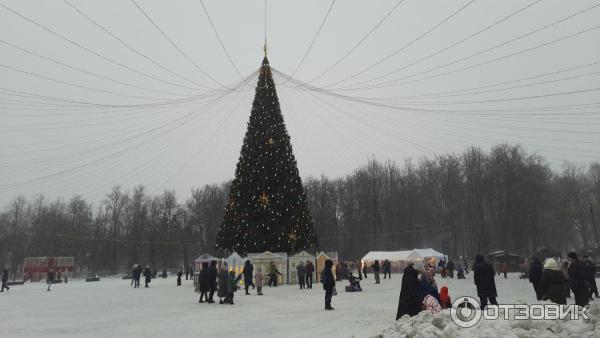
pixel 267 207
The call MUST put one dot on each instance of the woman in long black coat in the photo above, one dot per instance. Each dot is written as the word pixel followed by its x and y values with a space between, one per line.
pixel 553 283
pixel 328 283
pixel 212 280
pixel 203 278
pixel 484 280
pixel 408 303
pixel 222 289
pixel 248 273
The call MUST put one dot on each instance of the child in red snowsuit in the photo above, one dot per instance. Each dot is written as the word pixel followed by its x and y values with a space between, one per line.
pixel 445 301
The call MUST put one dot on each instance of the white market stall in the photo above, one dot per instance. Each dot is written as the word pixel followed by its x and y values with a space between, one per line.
pixel 264 260
pixel 202 259
pixel 400 258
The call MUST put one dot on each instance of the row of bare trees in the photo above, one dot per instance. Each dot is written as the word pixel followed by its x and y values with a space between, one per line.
pixel 461 204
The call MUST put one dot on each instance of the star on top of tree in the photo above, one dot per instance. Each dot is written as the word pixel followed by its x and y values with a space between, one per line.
pixel 264 199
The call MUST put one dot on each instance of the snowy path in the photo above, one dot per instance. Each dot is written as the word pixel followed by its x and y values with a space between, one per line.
pixel 111 308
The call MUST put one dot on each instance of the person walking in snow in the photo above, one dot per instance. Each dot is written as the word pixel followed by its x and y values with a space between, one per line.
pixel 203 279
pixel 460 271
pixel 504 268
pixel 231 287
pixel 450 268
pixel 4 280
pixel 50 278
pixel 364 269
pixel 187 272
pixel 301 274
pixel 222 285
pixel 408 303
pixel 273 272
pixel 359 268
pixel 248 274
pixel 376 269
pixel 179 274
pixel 387 269
pixel 590 268
pixel 310 269
pixel 466 266
pixel 258 277
pixel 564 268
pixel 328 282
pixel 484 280
pixel 553 282
pixel 577 280
pixel 535 275
pixel 147 276
pixel 212 280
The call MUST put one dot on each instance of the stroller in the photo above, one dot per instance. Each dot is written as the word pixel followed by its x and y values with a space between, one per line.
pixel 354 284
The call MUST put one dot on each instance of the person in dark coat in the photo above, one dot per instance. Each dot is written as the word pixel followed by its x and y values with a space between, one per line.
pixel 365 269
pixel 4 280
pixel 248 273
pixel 222 286
pixel 552 283
pixel 408 303
pixel 301 274
pixel 203 280
pixel 577 280
pixel 49 278
pixel 137 274
pixel 310 269
pixel 484 280
pixel 376 269
pixel 328 282
pixel 231 287
pixel 535 275
pixel 590 269
pixel 450 267
pixel 147 276
pixel 273 272
pixel 387 269
pixel 212 280
pixel 179 274
pixel 359 268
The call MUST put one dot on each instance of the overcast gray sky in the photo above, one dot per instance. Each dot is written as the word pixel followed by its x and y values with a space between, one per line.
pixel 153 122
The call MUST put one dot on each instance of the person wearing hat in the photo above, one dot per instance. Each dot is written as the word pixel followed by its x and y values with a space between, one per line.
pixel 552 283
pixel 483 275
pixel 328 282
pixel 577 281
pixel 408 304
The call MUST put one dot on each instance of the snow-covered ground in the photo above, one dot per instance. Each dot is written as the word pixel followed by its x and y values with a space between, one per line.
pixel 111 308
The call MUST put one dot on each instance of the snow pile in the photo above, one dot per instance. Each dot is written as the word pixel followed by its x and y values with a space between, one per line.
pixel 426 325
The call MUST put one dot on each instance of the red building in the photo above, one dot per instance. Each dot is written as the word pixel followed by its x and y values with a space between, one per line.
pixel 36 268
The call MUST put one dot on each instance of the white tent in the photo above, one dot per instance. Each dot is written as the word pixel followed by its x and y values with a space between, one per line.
pixel 204 258
pixel 407 255
pixel 392 256
pixel 428 253
pixel 235 263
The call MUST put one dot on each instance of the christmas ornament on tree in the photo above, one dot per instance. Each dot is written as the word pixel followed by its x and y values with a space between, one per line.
pixel 270 202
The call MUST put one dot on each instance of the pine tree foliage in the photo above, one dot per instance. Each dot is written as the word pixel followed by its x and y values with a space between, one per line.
pixel 267 208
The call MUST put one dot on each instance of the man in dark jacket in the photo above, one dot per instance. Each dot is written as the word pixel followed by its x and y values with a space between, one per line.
pixel 535 276
pixel 376 269
pixel 179 274
pixel 310 268
pixel 147 276
pixel 387 269
pixel 212 280
pixel 450 266
pixel 408 303
pixel 203 280
pixel 187 272
pixel 577 280
pixel 248 273
pixel 301 274
pixel 483 275
pixel 137 273
pixel 50 278
pixel 4 280
pixel 328 282
pixel 590 269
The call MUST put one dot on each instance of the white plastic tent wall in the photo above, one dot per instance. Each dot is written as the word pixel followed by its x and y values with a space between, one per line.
pixel 392 256
pixel 204 258
pixel 235 263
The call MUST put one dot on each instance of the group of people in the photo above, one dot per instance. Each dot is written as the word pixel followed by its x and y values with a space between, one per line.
pixel 304 272
pixel 136 275
pixel 550 280
pixel 555 283
pixel 447 269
